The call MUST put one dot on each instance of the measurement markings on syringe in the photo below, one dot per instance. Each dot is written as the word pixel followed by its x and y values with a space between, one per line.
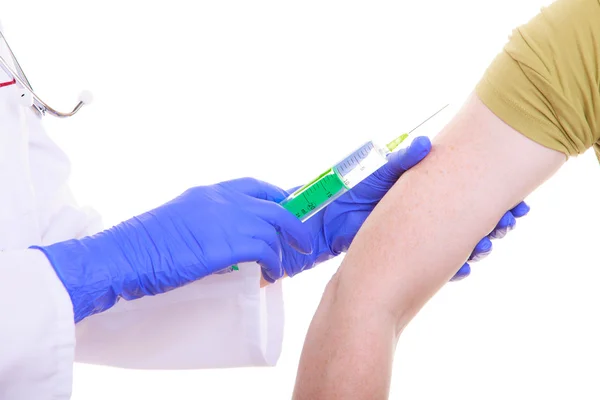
pixel 314 191
pixel 309 204
pixel 353 162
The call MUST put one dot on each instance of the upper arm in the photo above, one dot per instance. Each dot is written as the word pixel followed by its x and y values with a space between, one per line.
pixel 427 225
pixel 538 101
pixel 416 238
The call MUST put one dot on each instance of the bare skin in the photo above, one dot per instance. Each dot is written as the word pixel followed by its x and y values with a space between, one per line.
pixel 411 245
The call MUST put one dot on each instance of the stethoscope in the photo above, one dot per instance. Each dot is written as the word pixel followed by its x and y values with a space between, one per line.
pixel 26 95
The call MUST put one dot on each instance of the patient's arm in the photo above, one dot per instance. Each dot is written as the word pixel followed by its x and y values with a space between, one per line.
pixel 413 242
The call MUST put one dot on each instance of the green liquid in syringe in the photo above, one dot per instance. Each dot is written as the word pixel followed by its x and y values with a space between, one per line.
pixel 315 195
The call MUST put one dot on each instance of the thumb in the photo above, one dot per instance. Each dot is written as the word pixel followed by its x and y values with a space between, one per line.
pixel 404 159
pixel 256 188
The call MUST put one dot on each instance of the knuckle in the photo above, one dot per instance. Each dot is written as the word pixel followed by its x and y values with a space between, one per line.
pixel 249 180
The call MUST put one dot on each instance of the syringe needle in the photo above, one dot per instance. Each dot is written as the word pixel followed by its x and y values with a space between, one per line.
pixel 394 143
pixel 433 115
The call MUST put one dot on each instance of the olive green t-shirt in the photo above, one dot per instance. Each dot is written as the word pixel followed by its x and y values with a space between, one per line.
pixel 545 83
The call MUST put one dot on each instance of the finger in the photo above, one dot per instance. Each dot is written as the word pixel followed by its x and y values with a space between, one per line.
pixel 505 225
pixel 462 273
pixel 256 188
pixel 346 231
pixel 520 210
pixel 293 230
pixel 261 230
pixel 410 156
pixel 260 252
pixel 256 250
pixel 404 159
pixel 481 250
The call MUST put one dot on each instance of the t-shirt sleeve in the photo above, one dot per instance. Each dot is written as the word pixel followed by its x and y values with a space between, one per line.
pixel 544 83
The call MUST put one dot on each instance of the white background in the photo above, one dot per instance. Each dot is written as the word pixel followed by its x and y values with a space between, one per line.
pixel 194 93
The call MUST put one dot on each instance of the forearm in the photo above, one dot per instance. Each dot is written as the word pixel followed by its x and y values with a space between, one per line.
pixel 413 242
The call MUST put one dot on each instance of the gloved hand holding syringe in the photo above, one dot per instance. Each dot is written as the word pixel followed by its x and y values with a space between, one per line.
pixel 365 175
pixel 306 201
pixel 343 176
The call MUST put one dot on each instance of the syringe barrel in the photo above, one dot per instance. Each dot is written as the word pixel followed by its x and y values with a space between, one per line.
pixel 344 175
pixel 314 196
pixel 361 163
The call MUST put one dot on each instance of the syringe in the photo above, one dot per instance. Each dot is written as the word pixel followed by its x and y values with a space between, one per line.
pixel 343 176
pixel 339 179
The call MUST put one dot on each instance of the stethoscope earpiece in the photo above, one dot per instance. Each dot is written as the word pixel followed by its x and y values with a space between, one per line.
pixel 25 93
pixel 86 97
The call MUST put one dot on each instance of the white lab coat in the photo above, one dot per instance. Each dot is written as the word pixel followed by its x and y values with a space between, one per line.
pixel 220 321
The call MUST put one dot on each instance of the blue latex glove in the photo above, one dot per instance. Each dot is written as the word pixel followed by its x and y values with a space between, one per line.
pixel 201 232
pixel 484 247
pixel 334 228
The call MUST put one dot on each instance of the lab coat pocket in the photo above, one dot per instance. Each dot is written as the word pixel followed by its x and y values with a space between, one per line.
pixel 218 322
